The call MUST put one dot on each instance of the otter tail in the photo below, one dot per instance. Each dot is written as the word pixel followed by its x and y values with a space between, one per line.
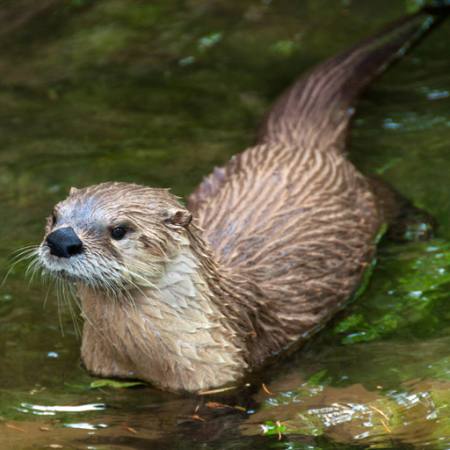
pixel 315 111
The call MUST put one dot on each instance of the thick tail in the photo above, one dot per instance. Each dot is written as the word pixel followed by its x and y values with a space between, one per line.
pixel 316 110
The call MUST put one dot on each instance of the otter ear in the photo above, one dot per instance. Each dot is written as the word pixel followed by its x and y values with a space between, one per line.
pixel 73 190
pixel 178 218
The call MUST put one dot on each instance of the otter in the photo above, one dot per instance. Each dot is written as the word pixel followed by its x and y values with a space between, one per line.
pixel 268 249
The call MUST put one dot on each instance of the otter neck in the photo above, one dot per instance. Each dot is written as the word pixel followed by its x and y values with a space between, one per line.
pixel 174 334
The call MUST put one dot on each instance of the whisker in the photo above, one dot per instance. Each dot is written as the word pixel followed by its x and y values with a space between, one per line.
pixel 22 256
pixel 67 301
pixel 60 306
pixel 24 248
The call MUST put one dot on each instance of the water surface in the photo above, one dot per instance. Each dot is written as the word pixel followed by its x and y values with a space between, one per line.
pixel 159 93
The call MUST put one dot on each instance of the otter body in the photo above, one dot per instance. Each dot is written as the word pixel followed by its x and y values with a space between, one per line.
pixel 270 247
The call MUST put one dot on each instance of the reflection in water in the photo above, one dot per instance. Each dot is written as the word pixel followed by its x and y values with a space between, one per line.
pixel 419 413
pixel 158 93
pixel 52 410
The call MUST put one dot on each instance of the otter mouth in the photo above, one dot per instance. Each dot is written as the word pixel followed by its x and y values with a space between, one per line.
pixel 59 267
pixel 65 275
pixel 79 270
pixel 51 266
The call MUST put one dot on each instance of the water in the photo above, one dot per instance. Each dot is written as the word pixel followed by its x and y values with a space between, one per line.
pixel 158 93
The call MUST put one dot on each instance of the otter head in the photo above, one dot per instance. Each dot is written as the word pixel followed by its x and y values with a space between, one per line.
pixel 114 236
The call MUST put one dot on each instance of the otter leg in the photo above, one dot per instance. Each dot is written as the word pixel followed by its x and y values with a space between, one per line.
pixel 405 221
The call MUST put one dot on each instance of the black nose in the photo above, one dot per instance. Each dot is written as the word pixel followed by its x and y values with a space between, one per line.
pixel 64 243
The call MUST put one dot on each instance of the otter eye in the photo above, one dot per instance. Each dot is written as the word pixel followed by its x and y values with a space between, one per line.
pixel 118 233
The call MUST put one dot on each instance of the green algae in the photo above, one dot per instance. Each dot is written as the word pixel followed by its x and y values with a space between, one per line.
pixel 115 384
pixel 414 298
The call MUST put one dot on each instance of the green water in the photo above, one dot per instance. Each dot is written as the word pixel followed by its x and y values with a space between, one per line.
pixel 158 93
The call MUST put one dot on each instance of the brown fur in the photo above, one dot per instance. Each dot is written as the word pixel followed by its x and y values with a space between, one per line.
pixel 280 239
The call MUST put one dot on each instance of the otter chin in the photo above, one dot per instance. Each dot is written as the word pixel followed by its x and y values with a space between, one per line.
pixel 268 249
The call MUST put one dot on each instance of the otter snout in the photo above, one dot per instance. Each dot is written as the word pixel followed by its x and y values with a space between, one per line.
pixel 64 243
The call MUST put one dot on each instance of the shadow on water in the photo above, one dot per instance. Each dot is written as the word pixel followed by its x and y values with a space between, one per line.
pixel 158 93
